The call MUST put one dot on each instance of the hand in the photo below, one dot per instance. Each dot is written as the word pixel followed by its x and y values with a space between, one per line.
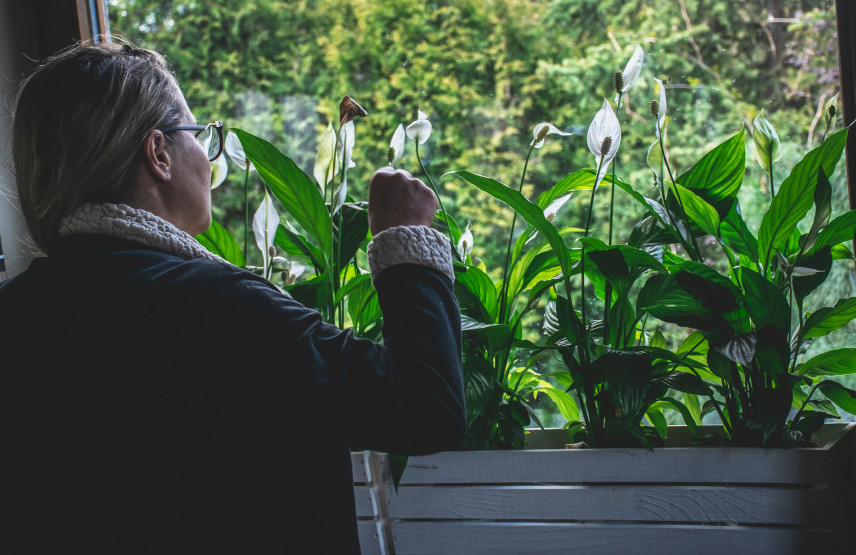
pixel 397 198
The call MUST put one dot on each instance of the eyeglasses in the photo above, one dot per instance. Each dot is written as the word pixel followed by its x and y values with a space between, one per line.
pixel 210 136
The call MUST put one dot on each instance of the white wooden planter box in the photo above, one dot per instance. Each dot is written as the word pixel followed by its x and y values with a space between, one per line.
pixel 669 500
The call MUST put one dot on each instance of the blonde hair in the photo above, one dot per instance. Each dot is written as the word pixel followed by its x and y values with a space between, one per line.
pixel 80 122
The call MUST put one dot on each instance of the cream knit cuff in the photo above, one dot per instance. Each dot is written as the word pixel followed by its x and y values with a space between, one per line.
pixel 410 245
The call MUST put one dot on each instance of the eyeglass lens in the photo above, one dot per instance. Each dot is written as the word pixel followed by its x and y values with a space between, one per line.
pixel 210 141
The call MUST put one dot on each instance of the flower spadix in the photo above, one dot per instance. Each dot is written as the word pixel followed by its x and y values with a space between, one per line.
pixel 235 151
pixel 632 70
pixel 604 136
pixel 419 130
pixel 540 132
pixel 396 145
pixel 767 143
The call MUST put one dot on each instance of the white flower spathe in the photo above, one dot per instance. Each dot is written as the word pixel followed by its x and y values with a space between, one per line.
pixel 633 68
pixel 604 125
pixel 538 129
pixel 344 150
pixel 419 130
pixel 265 222
pixel 465 243
pixel 219 169
pixel 661 108
pixel 397 145
pixel 235 151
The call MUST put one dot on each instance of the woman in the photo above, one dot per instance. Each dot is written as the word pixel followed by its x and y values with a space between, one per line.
pixel 157 398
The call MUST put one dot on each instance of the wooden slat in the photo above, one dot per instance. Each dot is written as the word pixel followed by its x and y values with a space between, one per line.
pixel 691 465
pixel 369 544
pixel 363 502
pixel 732 505
pixel 358 467
pixel 413 538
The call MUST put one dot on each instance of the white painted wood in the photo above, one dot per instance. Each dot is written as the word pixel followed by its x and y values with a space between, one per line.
pixel 473 538
pixel 358 467
pixel 669 500
pixel 369 544
pixel 653 504
pixel 683 465
pixel 363 502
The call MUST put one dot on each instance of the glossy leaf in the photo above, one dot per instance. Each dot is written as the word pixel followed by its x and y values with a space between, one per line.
pixel 527 210
pixel 829 319
pixel 839 230
pixel 843 397
pixel 735 233
pixel 822 212
pixel 717 177
pixel 481 286
pixel 294 189
pixel 837 362
pixel 796 194
pixel 218 241
pixel 767 306
pixel 700 212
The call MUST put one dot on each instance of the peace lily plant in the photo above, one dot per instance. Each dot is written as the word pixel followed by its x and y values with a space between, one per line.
pixel 588 301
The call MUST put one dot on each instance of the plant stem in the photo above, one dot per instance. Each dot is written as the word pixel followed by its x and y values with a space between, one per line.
pixel 583 258
pixel 436 192
pixel 772 191
pixel 246 208
pixel 503 301
pixel 677 195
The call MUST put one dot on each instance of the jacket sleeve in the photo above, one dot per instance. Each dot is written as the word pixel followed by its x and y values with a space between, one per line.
pixel 404 395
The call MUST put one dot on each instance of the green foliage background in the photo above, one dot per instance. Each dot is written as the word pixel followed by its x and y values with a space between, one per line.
pixel 486 72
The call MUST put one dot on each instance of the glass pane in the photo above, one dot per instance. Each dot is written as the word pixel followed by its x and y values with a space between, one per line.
pixel 487 73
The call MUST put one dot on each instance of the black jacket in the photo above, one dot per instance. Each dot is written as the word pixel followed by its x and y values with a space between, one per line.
pixel 157 405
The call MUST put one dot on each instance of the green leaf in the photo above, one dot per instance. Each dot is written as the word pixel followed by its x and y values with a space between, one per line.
pixel 480 285
pixel 700 212
pixel 580 180
pixel 564 403
pixel 683 382
pixel 363 306
pixel 355 229
pixel 764 302
pixel 313 293
pixel 291 186
pixel 293 243
pixel 735 233
pixel 657 340
pixel 218 241
pixel 839 230
pixel 530 212
pixel 841 252
pixel 829 319
pixel 692 404
pixel 796 195
pixel 819 260
pixel 837 362
pixel 656 418
pixel 685 413
pixel 495 337
pixel 717 177
pixel 843 397
pixel 822 212
pixel 397 465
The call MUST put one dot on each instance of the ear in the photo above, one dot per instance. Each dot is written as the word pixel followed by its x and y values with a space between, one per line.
pixel 156 159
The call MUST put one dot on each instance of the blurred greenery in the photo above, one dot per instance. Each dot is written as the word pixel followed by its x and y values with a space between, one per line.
pixel 486 72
